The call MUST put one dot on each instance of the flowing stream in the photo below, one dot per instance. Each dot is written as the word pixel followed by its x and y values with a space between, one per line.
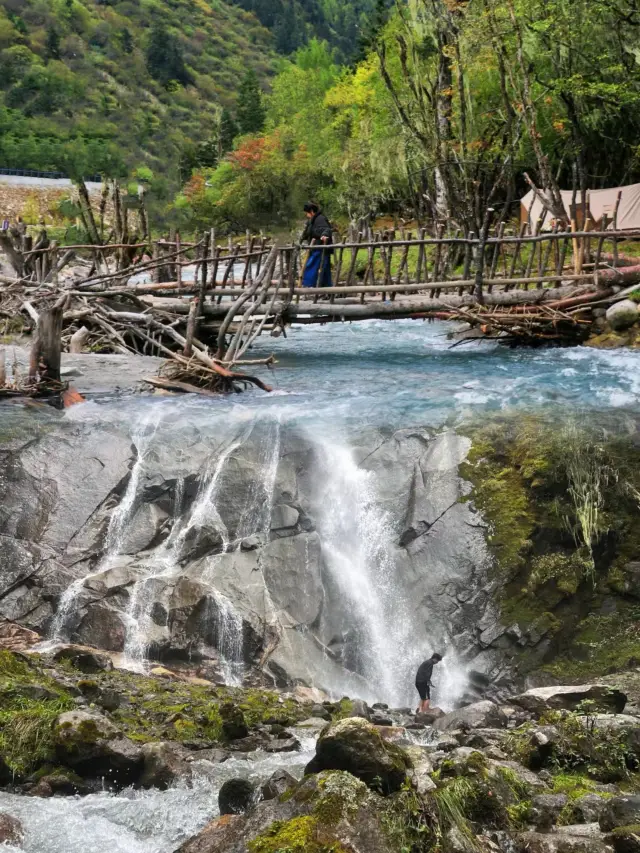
pixel 337 385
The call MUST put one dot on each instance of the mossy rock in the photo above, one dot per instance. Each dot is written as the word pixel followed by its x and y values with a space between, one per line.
pixel 558 565
pixel 299 835
pixel 354 745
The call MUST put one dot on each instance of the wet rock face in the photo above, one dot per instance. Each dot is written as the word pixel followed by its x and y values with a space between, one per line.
pixel 246 571
pixel 236 796
pixel 11 831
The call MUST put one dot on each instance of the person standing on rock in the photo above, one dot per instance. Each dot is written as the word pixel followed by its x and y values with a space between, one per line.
pixel 423 681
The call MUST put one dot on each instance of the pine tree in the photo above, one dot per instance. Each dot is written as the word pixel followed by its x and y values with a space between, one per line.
pixel 126 40
pixel 164 57
pixel 52 44
pixel 207 154
pixel 251 112
pixel 370 36
pixel 227 132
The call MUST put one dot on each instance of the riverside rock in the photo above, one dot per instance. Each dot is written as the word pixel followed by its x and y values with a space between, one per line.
pixel 279 782
pixel 622 315
pixel 356 746
pixel 620 811
pixel 93 746
pixel 485 714
pixel 11 831
pixel 541 699
pixel 625 839
pixel 163 764
pixel 236 796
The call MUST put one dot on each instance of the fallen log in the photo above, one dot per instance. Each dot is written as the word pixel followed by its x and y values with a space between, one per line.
pixel 176 385
pixel 365 311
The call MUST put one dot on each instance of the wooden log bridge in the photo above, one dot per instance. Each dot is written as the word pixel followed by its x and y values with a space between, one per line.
pixel 203 305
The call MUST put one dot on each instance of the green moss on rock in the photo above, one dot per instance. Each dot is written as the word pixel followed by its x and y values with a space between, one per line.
pixel 299 835
pixel 561 502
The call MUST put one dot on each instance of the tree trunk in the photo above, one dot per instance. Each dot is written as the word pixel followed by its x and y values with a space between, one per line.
pixel 45 352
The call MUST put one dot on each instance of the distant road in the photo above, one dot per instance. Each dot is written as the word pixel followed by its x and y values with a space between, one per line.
pixel 48 183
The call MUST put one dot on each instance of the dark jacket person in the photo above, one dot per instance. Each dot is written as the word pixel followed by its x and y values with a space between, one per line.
pixel 317 232
pixel 423 681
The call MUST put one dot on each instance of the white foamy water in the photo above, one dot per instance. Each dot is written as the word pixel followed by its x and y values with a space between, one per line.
pixel 139 821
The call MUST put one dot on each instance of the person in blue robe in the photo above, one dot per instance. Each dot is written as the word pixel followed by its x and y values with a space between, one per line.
pixel 317 232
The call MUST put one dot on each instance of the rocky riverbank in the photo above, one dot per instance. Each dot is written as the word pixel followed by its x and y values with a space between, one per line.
pixel 551 769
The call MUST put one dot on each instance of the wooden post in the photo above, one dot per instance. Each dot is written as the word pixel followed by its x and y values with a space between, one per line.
pixel 615 228
pixel 44 365
pixel 191 327
pixel 481 245
pixel 577 253
pixel 561 259
pixel 603 227
pixel 3 369
pixel 178 260
pixel 496 254
pixel 516 252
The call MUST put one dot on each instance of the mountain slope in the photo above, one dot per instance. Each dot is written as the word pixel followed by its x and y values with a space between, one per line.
pixel 342 23
pixel 100 86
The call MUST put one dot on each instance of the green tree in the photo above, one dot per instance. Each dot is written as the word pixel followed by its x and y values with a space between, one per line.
pixel 227 132
pixel 126 40
pixel 164 57
pixel 52 44
pixel 250 112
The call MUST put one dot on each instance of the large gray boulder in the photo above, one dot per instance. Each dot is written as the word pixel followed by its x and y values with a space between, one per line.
pixel 480 715
pixel 545 809
pixel 357 746
pixel 539 842
pixel 626 839
pixel 622 315
pixel 620 811
pixel 163 764
pixel 94 747
pixel 541 699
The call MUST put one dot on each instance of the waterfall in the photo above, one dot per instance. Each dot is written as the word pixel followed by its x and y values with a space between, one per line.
pixel 142 439
pixel 357 539
pixel 165 563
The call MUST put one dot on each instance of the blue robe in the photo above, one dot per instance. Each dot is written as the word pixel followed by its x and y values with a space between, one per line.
pixel 313 276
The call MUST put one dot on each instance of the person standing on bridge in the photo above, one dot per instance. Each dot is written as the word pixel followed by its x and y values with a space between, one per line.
pixel 423 681
pixel 317 270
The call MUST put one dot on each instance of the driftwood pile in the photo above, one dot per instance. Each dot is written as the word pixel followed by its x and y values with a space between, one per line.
pixel 83 298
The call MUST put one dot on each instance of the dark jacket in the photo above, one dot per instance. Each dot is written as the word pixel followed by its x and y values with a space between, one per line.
pixel 423 676
pixel 316 229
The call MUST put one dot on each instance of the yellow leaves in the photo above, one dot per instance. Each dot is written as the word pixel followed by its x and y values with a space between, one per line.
pixel 204 7
pixel 355 89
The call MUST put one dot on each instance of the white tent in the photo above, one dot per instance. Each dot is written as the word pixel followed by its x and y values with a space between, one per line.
pixel 600 202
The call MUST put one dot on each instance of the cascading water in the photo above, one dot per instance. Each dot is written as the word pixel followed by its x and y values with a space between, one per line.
pixel 142 438
pixel 164 564
pixel 357 539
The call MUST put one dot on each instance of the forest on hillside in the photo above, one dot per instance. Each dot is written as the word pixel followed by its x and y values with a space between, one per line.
pixel 236 112
pixel 452 104
pixel 106 86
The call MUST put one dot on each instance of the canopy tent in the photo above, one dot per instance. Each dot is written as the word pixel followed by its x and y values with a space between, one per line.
pixel 600 202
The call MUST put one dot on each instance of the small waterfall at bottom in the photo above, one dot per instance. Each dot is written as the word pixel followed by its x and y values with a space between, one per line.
pixel 356 539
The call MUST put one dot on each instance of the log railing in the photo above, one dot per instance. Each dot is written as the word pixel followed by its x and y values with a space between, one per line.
pixel 211 301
